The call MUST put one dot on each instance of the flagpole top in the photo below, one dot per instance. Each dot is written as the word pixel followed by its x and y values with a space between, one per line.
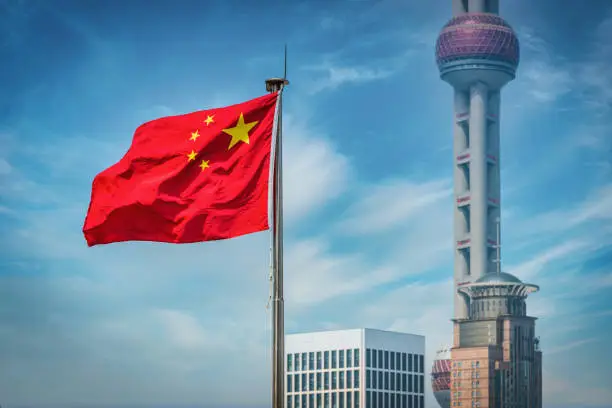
pixel 276 84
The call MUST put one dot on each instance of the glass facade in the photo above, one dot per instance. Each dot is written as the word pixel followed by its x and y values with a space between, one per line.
pixel 333 379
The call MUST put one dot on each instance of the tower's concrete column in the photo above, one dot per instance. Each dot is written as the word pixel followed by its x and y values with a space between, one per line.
pixel 494 176
pixel 461 106
pixel 458 7
pixel 477 6
pixel 478 180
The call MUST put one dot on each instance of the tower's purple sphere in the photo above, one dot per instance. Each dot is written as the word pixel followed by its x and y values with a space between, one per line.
pixel 477 36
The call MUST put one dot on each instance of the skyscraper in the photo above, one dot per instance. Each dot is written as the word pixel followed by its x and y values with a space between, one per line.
pixel 495 356
pixel 355 368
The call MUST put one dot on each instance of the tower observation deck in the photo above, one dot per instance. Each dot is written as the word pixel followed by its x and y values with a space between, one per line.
pixel 477 53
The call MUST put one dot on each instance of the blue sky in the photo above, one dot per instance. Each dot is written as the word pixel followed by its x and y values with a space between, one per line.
pixel 368 159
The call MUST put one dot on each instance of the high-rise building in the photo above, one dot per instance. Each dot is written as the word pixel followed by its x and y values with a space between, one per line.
pixel 495 355
pixel 355 368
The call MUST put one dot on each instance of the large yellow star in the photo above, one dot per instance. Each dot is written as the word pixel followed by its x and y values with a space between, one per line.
pixel 240 132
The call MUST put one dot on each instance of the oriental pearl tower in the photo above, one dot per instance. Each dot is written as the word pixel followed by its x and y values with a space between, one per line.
pixel 477 53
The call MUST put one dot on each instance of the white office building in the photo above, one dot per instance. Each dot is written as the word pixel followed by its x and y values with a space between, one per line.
pixel 361 368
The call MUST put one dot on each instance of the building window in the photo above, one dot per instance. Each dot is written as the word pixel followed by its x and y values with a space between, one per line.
pixel 404 388
pixel 304 384
pixel 381 383
pixel 341 400
pixel 334 380
pixel 368 399
pixel 386 360
pixel 421 364
pixel 398 382
pixel 392 385
pixel 326 360
pixel 356 362
pixel 304 400
pixel 356 379
pixel 410 362
pixel 374 359
pixel 409 382
pixel 326 380
pixel 380 400
pixel 289 363
pixel 349 379
pixel 311 400
pixel 296 382
pixel 422 401
pixel 333 402
pixel 422 382
pixel 341 385
pixel 311 360
pixel 289 400
pixel 289 383
pixel 368 379
pixel 296 401
pixel 392 402
pixel 349 358
pixel 392 361
pixel 404 360
pixel 341 358
pixel 416 363
pixel 380 359
pixel 319 361
pixel 311 382
pixel 356 399
pixel 334 361
pixel 374 382
pixel 368 358
pixel 416 383
pixel 319 382
pixel 319 400
pixel 304 362
pixel 398 361
pixel 404 401
pixel 326 398
pixel 349 402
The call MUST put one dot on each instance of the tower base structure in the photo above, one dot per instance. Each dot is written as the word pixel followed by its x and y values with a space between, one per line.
pixel 496 359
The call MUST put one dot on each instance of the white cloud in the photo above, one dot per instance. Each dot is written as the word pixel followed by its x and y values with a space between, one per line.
pixel 314 171
pixel 529 270
pixel 391 203
pixel 183 330
pixel 335 76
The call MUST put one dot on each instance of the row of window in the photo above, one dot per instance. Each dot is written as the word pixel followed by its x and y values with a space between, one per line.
pixel 347 399
pixel 350 399
pixel 391 360
pixel 323 360
pixel 475 404
pixel 323 381
pixel 390 400
pixel 384 380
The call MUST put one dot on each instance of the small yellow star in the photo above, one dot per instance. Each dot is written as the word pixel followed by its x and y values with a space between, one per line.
pixel 194 135
pixel 240 132
pixel 191 156
pixel 204 165
pixel 209 119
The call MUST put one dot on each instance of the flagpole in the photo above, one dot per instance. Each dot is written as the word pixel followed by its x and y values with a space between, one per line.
pixel 278 312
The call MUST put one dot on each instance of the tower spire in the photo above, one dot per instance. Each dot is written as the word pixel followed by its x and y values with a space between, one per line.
pixel 498 245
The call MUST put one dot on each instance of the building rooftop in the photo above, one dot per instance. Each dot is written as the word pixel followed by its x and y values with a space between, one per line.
pixel 495 277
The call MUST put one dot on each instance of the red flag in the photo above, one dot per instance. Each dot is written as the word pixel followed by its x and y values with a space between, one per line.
pixel 197 177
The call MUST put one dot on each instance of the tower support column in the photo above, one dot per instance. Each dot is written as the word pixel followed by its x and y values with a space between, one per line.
pixel 461 227
pixel 478 180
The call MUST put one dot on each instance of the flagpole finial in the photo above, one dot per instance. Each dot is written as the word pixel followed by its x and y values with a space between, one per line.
pixel 276 84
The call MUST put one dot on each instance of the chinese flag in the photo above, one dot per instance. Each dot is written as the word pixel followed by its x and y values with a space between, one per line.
pixel 197 177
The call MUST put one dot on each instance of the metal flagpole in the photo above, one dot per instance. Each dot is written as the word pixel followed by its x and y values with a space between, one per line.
pixel 278 317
